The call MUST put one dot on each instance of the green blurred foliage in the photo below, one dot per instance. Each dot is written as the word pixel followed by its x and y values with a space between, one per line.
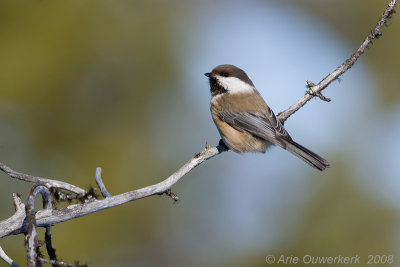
pixel 78 78
pixel 80 73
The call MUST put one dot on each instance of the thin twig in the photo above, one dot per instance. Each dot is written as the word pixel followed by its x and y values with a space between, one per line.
pixel 100 183
pixel 19 206
pixel 7 259
pixel 49 245
pixel 310 91
pixel 316 89
pixel 59 263
pixel 172 195
pixel 46 195
pixel 31 233
pixel 39 180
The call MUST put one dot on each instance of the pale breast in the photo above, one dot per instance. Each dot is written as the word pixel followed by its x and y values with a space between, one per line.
pixel 236 139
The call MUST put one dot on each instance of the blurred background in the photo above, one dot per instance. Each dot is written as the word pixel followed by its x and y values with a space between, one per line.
pixel 119 84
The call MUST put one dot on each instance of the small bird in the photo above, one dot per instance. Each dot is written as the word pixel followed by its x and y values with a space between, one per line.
pixel 244 120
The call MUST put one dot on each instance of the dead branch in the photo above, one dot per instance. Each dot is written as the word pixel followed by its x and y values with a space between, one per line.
pixel 315 90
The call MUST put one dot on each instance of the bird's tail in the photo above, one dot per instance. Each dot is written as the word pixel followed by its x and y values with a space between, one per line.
pixel 308 156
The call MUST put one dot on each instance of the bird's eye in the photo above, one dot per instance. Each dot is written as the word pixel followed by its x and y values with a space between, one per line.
pixel 225 74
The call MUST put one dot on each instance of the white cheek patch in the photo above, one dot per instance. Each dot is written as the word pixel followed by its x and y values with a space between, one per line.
pixel 234 85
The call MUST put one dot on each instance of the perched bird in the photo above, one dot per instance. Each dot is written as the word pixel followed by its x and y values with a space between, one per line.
pixel 244 120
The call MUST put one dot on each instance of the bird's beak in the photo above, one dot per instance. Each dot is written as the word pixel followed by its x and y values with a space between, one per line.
pixel 208 74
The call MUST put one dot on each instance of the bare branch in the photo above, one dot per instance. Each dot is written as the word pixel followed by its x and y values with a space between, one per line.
pixel 7 259
pixel 39 180
pixel 14 224
pixel 31 233
pixel 46 217
pixel 100 183
pixel 316 89
pixel 31 238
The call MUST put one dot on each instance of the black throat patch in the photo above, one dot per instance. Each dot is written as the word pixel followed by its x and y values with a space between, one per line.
pixel 216 88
